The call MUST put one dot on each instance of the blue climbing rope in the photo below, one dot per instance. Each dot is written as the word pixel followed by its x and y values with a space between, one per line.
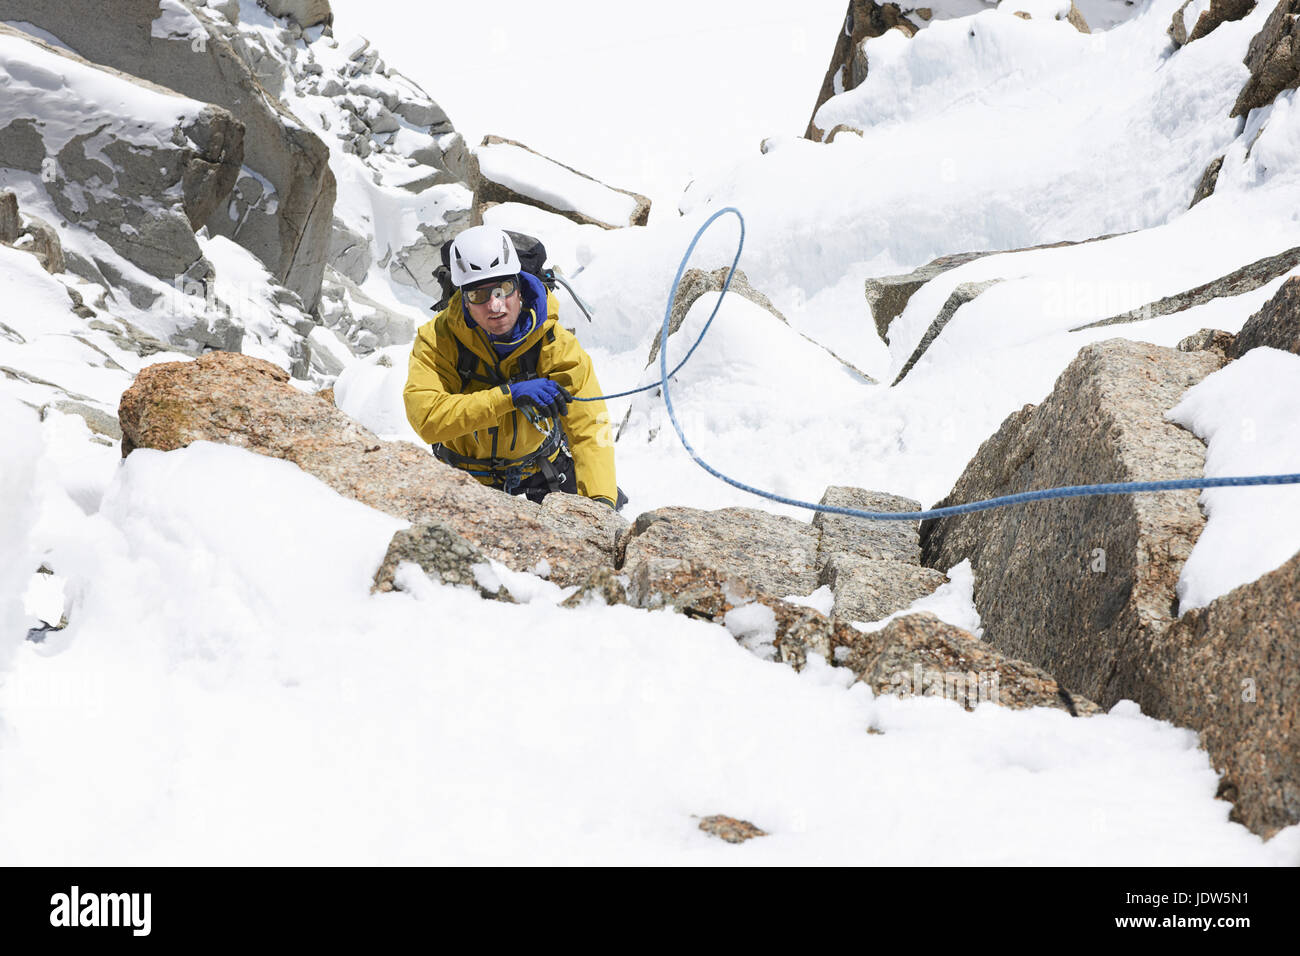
pixel 1045 494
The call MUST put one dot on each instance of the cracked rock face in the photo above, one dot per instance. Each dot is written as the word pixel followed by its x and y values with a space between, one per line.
pixel 1276 325
pixel 1231 671
pixel 1081 587
pixel 141 188
pixel 281 206
pixel 1273 59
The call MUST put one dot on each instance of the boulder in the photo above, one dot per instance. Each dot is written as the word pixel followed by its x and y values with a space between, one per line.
pixel 502 170
pixel 775 555
pixel 1208 340
pixel 1273 59
pixel 1246 279
pixel 140 186
pixel 965 292
pixel 1276 325
pixel 574 515
pixel 847 69
pixel 869 589
pixel 1082 587
pixel 917 654
pixel 920 655
pixel 1231 671
pixel 1218 12
pixel 243 401
pixel 281 207
pixel 42 240
pixel 730 829
pixel 441 553
pixel 306 13
pixel 859 537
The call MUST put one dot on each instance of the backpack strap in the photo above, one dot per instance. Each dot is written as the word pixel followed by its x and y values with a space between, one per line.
pixel 467 363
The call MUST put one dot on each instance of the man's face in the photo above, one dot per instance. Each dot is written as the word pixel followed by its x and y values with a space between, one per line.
pixel 499 313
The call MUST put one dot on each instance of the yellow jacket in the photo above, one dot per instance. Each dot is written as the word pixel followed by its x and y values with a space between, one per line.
pixel 479 420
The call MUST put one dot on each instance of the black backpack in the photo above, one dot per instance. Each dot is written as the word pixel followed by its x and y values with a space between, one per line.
pixel 532 258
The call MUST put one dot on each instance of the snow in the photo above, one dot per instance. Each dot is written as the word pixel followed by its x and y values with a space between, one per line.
pixel 174 19
pixel 236 663
pixel 548 182
pixel 1248 415
pixel 953 603
pixel 70 96
pixel 20 437
pixel 225 662
pixel 40 34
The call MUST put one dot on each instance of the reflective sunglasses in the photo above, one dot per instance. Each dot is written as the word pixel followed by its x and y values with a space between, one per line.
pixel 502 290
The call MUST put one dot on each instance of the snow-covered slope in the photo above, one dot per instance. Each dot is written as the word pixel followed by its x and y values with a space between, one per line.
pixel 259 701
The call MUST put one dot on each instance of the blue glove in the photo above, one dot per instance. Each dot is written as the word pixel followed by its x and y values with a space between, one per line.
pixel 542 394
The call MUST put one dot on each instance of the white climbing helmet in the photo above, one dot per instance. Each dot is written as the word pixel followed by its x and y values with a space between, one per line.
pixel 482 252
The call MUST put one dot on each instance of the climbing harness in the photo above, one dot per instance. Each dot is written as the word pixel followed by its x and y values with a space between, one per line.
pixel 1071 491
pixel 507 473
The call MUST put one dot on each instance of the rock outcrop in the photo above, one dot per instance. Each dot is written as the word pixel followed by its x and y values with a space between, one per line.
pixel 858 537
pixel 1208 340
pixel 281 204
pixel 1231 671
pixel 868 589
pixel 363 323
pixel 1209 179
pixel 1246 279
pixel 965 292
pixel 11 224
pixel 1276 325
pixel 441 553
pixel 776 555
pixel 920 655
pixel 848 67
pixel 888 296
pixel 243 401
pixel 914 655
pixel 873 568
pixel 306 13
pixel 1273 59
pixel 1217 13
pixel 1083 587
pixel 502 170
pixel 141 187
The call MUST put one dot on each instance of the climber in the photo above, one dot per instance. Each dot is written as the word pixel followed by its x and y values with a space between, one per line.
pixel 493 375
